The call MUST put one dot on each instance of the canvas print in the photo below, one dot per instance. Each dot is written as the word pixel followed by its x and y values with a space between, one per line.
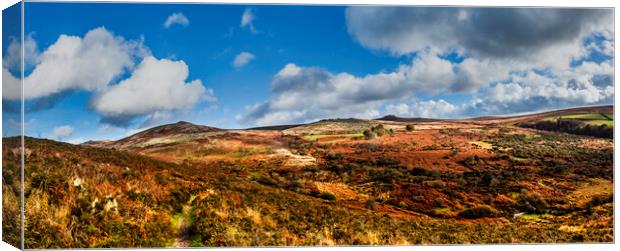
pixel 233 125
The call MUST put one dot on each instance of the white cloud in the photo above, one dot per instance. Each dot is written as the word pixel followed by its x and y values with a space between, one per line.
pixel 484 32
pixel 11 86
pixel 425 109
pixel 532 90
pixel 303 94
pixel 176 18
pixel 11 60
pixel 97 63
pixel 242 59
pixel 247 20
pixel 76 141
pixel 62 132
pixel 74 63
pixel 527 91
pixel 156 85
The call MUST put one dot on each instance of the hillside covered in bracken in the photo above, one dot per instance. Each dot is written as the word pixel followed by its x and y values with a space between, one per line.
pixel 333 182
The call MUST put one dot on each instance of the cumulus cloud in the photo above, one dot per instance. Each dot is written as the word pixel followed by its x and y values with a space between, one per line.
pixel 301 94
pixel 62 132
pixel 490 32
pixel 176 19
pixel 11 60
pixel 534 91
pixel 425 109
pixel 523 92
pixel 247 20
pixel 11 86
pixel 105 65
pixel 512 60
pixel 156 85
pixel 74 63
pixel 242 59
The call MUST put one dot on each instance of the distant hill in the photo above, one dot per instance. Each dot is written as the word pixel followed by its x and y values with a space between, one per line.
pixel 395 118
pixel 98 143
pixel 163 133
pixel 181 127
pixel 529 116
pixel 539 115
pixel 341 120
pixel 274 128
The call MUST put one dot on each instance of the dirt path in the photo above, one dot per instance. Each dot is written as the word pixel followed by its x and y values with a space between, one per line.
pixel 183 238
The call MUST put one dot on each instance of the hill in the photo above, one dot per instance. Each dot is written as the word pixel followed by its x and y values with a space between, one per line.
pixel 323 183
pixel 536 116
pixel 395 118
pixel 163 134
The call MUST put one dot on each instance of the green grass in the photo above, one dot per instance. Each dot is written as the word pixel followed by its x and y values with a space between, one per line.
pixel 176 220
pixel 244 152
pixel 482 144
pixel 519 160
pixel 536 217
pixel 588 118
pixel 315 137
pixel 600 122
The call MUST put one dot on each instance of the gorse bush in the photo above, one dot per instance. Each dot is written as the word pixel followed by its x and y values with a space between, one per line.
pixel 377 131
pixel 327 196
pixel 368 134
pixel 480 211
pixel 532 202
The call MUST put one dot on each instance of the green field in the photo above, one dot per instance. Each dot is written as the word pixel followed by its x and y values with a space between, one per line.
pixel 588 118
pixel 315 137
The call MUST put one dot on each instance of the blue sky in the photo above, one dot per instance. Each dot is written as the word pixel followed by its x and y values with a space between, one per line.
pixel 124 64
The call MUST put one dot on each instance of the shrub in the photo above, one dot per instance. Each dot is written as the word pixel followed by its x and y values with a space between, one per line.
pixel 371 204
pixel 430 148
pixel 386 161
pixel 488 179
pixel 410 128
pixel 471 161
pixel 333 156
pixel 556 169
pixel 327 196
pixel 380 133
pixel 385 175
pixel 418 171
pixel 443 213
pixel 368 134
pixel 476 212
pixel 266 181
pixel 532 203
pixel 159 178
pixel 294 185
pixel 337 169
pixel 598 200
pixel 378 127
pixel 379 130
